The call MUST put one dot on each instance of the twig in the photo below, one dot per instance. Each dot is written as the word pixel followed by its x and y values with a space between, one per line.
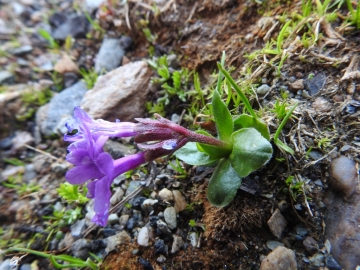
pixel 268 34
pixel 42 152
pixel 303 190
pixel 312 120
pixel 299 136
pixel 191 13
pixel 316 161
pixel 127 15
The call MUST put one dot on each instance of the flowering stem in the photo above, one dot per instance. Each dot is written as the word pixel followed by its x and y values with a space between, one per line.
pixel 196 137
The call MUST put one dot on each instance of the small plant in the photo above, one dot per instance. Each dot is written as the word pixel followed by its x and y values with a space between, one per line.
pixel 324 143
pixel 306 7
pixel 158 108
pixel 242 146
pixel 15 182
pixel 179 169
pixel 67 216
pixel 70 193
pixel 354 16
pixel 173 83
pixel 295 187
pixel 279 41
pixel 71 262
pixel 37 98
pixel 192 223
pixel 128 205
pixel 47 36
pixel 14 161
pixel 58 80
pixel 89 76
pixel 279 109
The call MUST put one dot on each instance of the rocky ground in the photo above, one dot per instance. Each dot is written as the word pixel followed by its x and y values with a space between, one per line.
pixel 300 211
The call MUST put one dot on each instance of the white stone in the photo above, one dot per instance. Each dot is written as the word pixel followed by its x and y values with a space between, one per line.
pixel 143 237
pixel 166 195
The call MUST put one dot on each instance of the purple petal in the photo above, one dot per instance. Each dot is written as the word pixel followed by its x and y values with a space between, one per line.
pixel 105 164
pixel 99 143
pixel 83 173
pixel 79 157
pixel 102 201
pixel 81 116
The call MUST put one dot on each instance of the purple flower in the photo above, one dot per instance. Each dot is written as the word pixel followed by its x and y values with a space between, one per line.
pixel 92 163
pixel 157 137
pixel 82 121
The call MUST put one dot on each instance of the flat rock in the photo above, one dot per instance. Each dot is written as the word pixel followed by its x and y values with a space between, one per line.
pixel 109 56
pixel 342 230
pixel 344 176
pixel 313 85
pixel 277 223
pixel 120 94
pixel 59 109
pixel 281 258
pixel 75 26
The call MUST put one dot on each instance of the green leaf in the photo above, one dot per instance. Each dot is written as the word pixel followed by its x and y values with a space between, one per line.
pixel 247 121
pixel 212 151
pixel 250 151
pixel 223 184
pixel 283 146
pixel 192 156
pixel 222 116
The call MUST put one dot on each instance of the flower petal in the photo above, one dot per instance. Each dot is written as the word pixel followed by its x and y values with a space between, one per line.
pixel 102 201
pixel 105 164
pixel 82 173
pixel 79 157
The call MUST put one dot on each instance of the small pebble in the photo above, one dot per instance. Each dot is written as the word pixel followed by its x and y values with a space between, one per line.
pixel 296 85
pixel 344 175
pixel 281 258
pixel 273 244
pixel 263 89
pixel 193 237
pixel 160 247
pixel 143 237
pixel 161 259
pixel 178 243
pixel 180 203
pixel 163 228
pixel 320 104
pixel 166 195
pixel 170 217
pixel 277 223
pixel 310 245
